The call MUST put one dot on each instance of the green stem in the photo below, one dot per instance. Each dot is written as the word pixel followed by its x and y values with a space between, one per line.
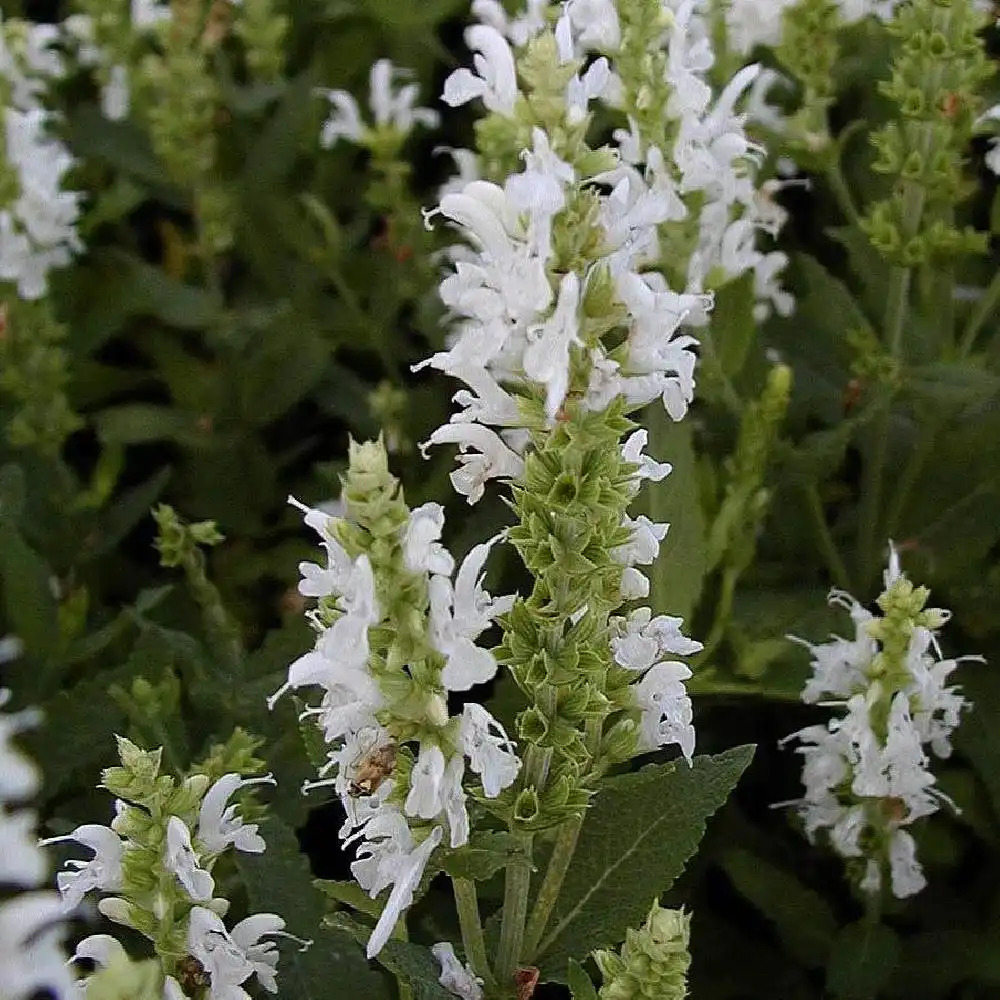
pixel 897 304
pixel 467 904
pixel 515 911
pixel 702 686
pixel 555 874
pixel 985 308
pixel 914 467
pixel 831 554
pixel 841 192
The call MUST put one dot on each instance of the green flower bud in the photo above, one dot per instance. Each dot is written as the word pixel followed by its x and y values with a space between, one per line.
pixel 125 979
pixel 654 960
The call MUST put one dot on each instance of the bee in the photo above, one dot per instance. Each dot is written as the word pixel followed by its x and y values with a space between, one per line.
pixel 191 976
pixel 372 769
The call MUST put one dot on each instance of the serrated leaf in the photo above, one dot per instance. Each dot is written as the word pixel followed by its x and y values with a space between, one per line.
pixel 677 575
pixel 580 984
pixel 279 881
pixel 862 961
pixel 636 839
pixel 802 917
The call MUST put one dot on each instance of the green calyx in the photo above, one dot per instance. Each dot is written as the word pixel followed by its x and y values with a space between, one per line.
pixel 938 71
pixel 653 962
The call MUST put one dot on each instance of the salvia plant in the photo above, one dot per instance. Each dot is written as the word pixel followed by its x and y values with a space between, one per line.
pixel 448 448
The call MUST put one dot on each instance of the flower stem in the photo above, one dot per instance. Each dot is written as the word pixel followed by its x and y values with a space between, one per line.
pixel 985 308
pixel 555 874
pixel 828 547
pixel 467 904
pixel 515 911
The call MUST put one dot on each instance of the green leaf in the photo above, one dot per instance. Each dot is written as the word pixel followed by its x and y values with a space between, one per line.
pixel 802 918
pixel 349 894
pixel 487 852
pixel 636 840
pixel 116 522
pixel 676 501
pixel 862 961
pixel 30 608
pixel 580 984
pixel 139 423
pixel 279 881
pixel 272 155
pixel 955 383
pixel 12 493
pixel 274 379
pixel 733 325
pixel 976 738
pixel 123 145
pixel 412 964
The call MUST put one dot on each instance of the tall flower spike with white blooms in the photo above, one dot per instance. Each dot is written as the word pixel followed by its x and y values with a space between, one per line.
pixel 155 861
pixel 38 219
pixel 392 101
pixel 866 772
pixel 32 924
pixel 387 654
pixel 565 326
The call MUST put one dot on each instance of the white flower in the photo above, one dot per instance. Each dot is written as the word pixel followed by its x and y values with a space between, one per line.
pixel 392 106
pixel 492 460
pixel 458 614
pixel 19 777
pixel 491 754
pixel 632 451
pixel 38 229
pixel 116 94
pixel 103 871
pixel 521 29
pixel 546 359
pixel 540 189
pixel 495 79
pixel 666 708
pixel 456 978
pixel 644 546
pixel 31 956
pixel 21 861
pixel 180 858
pixel 390 856
pixel 232 957
pixel 904 869
pixel 219 825
pixel 642 639
pixel 422 549
pixel 425 798
pixel 595 24
pixel 147 14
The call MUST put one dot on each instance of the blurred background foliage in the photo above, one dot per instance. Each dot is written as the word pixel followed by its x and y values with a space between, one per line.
pixel 230 325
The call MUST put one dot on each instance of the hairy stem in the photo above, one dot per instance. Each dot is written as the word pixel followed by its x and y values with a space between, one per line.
pixel 467 904
pixel 515 911
pixel 555 874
